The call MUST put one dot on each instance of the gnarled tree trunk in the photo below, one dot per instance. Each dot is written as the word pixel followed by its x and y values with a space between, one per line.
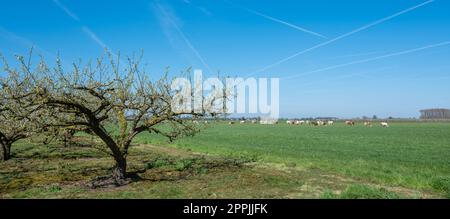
pixel 6 151
pixel 119 172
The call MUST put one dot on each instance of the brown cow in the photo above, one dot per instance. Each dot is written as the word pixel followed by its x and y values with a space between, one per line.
pixel 352 123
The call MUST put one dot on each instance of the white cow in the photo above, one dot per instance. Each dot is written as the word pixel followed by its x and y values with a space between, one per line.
pixel 384 124
pixel 330 122
pixel 301 122
pixel 242 122
pixel 268 121
pixel 289 122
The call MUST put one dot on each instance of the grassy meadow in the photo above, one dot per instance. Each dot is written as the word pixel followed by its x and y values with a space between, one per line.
pixel 406 160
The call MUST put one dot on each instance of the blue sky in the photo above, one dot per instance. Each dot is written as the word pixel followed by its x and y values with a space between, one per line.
pixel 353 58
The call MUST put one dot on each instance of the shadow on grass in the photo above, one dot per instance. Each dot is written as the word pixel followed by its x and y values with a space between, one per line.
pixel 166 168
pixel 35 166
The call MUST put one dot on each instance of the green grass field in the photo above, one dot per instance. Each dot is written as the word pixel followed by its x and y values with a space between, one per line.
pixel 406 160
pixel 412 155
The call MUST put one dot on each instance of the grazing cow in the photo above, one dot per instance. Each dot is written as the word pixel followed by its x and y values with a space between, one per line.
pixel 368 124
pixel 314 123
pixel 320 123
pixel 289 122
pixel 385 124
pixel 330 122
pixel 242 122
pixel 301 122
pixel 268 121
pixel 352 123
pixel 231 123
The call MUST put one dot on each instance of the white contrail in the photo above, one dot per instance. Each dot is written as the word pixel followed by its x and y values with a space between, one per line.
pixel 370 59
pixel 286 23
pixel 100 42
pixel 344 35
pixel 84 28
pixel 66 10
pixel 278 20
pixel 186 40
pixel 202 9
pixel 94 37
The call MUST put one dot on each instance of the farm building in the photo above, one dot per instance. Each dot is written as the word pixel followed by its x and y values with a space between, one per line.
pixel 435 114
